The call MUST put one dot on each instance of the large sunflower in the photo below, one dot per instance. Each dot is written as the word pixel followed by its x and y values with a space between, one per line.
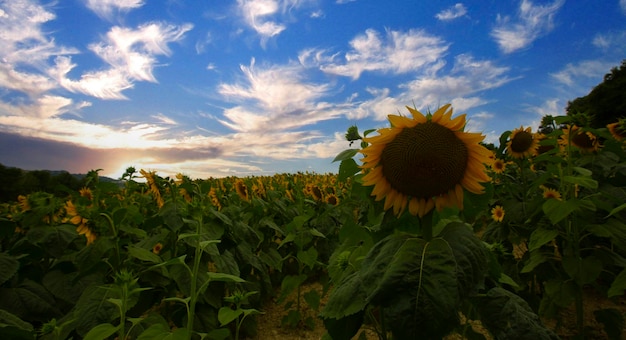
pixel 522 143
pixel 425 162
pixel 576 136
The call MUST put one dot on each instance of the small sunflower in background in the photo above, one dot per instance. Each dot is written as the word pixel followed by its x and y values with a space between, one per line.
pixel 498 166
pixel 157 248
pixel 549 193
pixel 497 213
pixel 618 129
pixel 576 136
pixel 425 162
pixel 522 143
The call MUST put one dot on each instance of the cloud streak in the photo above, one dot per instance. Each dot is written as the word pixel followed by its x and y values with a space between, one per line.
pixel 130 54
pixel 454 12
pixel 532 21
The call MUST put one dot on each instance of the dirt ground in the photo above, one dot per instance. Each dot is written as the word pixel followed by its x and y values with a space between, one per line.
pixel 269 324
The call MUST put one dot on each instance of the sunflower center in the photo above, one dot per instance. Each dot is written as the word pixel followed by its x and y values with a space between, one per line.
pixel 582 140
pixel 521 142
pixel 424 161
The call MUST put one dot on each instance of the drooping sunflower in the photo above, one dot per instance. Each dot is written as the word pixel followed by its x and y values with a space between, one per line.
pixel 424 162
pixel 242 190
pixel 82 228
pixel 618 129
pixel 497 213
pixel 575 136
pixel 152 186
pixel 522 143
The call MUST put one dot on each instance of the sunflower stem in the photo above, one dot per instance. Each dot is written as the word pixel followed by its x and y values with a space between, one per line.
pixel 426 224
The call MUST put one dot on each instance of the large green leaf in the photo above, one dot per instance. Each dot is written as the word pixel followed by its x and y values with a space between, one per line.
pixel 508 316
pixel 415 280
pixel 10 320
pixel 101 331
pixel 558 210
pixel 28 299
pixel 614 229
pixel 582 270
pixel 421 291
pixel 541 236
pixel 619 285
pixel 8 267
pixel 93 309
pixel 470 255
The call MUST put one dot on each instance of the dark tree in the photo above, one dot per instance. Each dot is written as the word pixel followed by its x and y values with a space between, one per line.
pixel 606 103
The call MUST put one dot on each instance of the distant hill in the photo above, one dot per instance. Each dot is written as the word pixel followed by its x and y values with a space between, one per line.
pixel 15 181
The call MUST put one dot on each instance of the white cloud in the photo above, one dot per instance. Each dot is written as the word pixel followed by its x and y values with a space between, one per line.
pixel 257 14
pixel 532 21
pixel 454 12
pixel 397 52
pixel 611 41
pixel 275 97
pixel 584 70
pixel 468 76
pixel 130 55
pixel 106 8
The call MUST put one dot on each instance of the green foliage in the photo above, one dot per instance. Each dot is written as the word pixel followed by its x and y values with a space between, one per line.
pixel 606 101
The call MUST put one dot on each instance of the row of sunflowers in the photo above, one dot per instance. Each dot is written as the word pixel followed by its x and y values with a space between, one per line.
pixel 432 230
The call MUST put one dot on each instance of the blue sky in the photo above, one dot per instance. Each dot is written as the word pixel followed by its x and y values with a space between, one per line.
pixel 257 87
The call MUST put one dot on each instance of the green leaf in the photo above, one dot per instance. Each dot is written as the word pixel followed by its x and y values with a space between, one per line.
pixel 558 210
pixel 470 255
pixel 616 210
pixel 582 181
pixel 308 257
pixel 541 236
pixel 226 315
pixel 143 254
pixel 312 298
pixel 536 258
pixel 619 285
pixel 316 233
pixel 10 320
pixel 8 267
pixel 345 155
pixel 582 270
pixel 289 284
pixel 223 277
pixel 508 316
pixel 614 229
pixel 347 169
pixel 582 171
pixel 101 332
pixel 92 309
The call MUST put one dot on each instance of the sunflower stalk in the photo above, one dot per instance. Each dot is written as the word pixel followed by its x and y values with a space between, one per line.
pixel 426 225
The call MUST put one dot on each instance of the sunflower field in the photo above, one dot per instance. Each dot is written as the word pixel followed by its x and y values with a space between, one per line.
pixel 424 232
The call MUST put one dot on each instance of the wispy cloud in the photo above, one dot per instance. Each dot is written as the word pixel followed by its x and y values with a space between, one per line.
pixel 106 8
pixel 275 97
pixel 467 78
pixel 572 73
pixel 267 17
pixel 25 49
pixel 130 54
pixel 397 52
pixel 532 21
pixel 454 12
pixel 622 5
